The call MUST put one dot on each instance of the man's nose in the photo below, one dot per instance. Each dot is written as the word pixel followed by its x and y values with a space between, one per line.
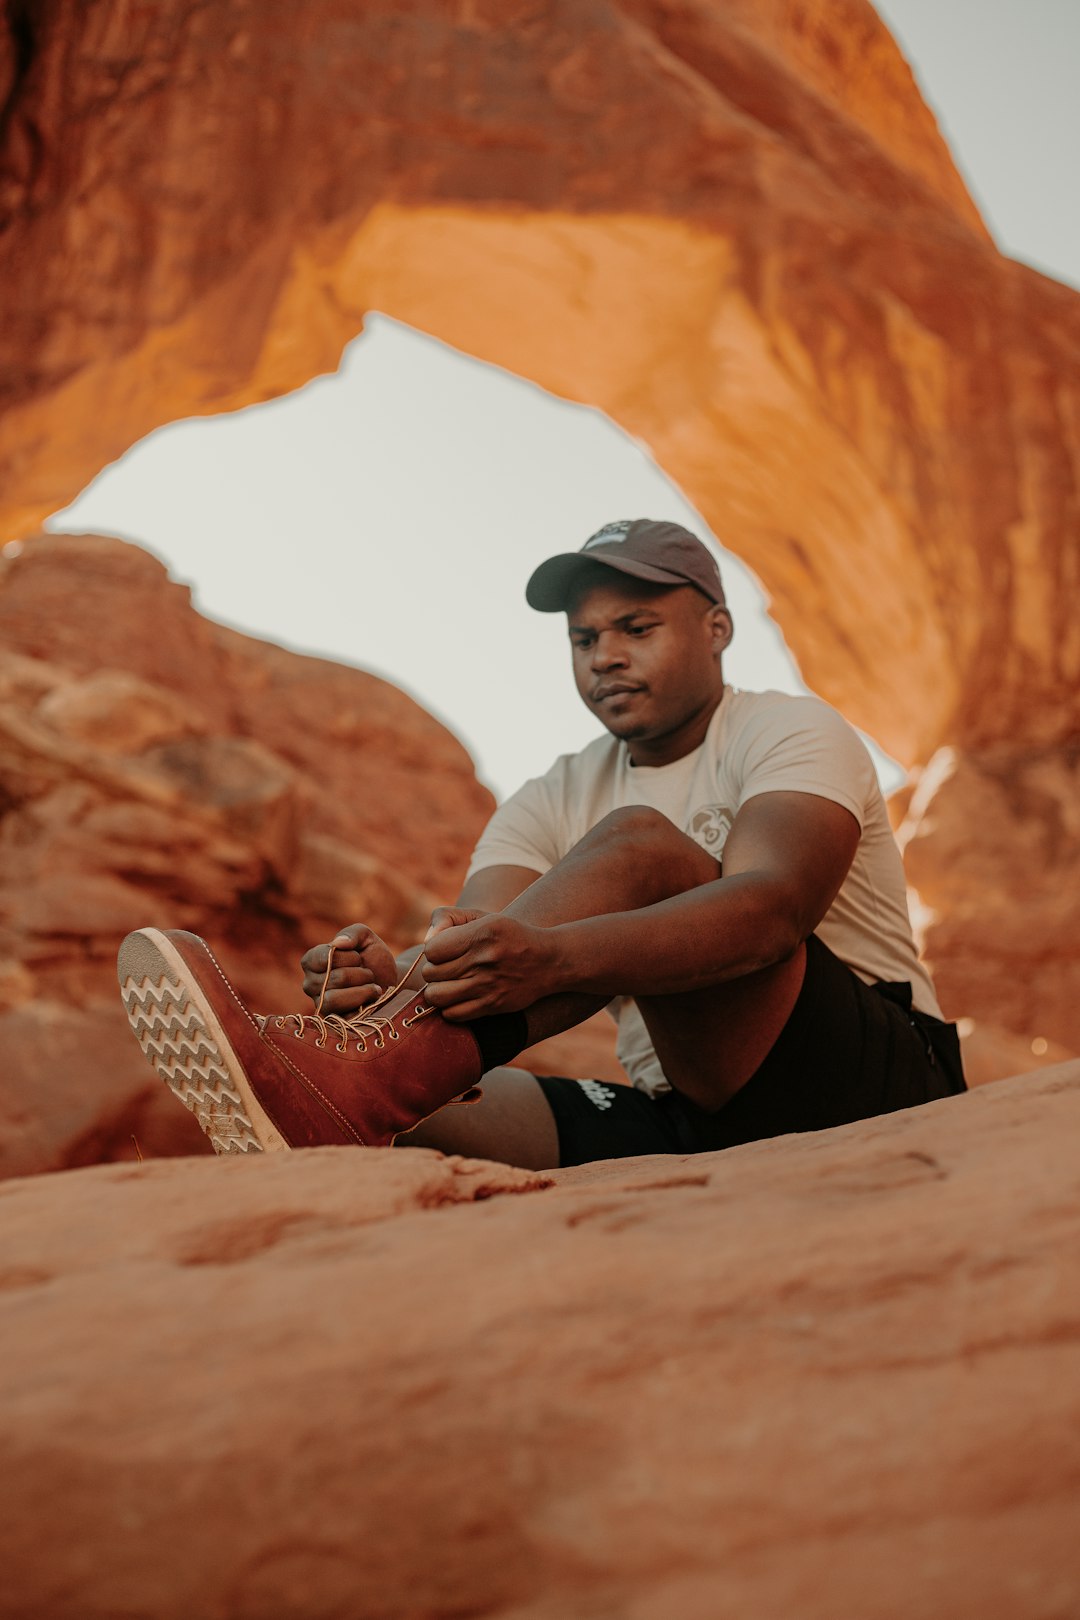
pixel 608 652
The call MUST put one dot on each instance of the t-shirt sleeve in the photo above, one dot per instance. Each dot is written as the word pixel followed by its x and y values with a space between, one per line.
pixel 803 746
pixel 522 832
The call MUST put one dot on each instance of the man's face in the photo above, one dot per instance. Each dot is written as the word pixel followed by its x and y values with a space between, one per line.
pixel 647 661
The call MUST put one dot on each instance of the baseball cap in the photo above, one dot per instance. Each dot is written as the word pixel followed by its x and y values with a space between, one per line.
pixel 663 552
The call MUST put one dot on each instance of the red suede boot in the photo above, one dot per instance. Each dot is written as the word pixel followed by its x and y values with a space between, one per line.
pixel 262 1084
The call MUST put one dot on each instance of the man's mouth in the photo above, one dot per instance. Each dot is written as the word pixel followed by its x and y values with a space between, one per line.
pixel 615 689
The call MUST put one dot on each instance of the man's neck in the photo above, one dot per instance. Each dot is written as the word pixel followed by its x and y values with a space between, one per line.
pixel 674 745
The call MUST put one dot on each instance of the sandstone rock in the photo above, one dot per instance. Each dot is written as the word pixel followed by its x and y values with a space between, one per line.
pixel 76 1090
pixel 340 880
pixel 992 844
pixel 831 1375
pixel 177 787
pixel 16 984
pixel 116 712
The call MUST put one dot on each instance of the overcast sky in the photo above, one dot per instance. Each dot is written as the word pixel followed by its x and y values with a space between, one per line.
pixel 390 515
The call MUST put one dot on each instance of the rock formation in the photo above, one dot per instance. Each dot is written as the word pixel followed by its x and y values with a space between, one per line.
pixel 736 228
pixel 834 1375
pixel 992 844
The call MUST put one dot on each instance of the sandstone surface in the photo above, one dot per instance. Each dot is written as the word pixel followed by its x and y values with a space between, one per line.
pixel 992 844
pixel 160 770
pixel 734 227
pixel 834 1376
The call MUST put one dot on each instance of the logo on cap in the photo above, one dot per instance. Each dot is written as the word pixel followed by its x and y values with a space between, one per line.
pixel 610 534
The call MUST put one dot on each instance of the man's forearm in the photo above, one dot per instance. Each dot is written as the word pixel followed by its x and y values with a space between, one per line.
pixel 720 931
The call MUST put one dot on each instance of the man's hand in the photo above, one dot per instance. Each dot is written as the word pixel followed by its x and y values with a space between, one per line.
pixel 364 967
pixel 480 963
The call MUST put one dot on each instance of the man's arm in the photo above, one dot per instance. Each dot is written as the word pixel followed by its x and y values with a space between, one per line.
pixel 493 888
pixel 784 861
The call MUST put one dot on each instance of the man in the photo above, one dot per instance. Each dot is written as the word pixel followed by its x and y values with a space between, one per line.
pixel 719 865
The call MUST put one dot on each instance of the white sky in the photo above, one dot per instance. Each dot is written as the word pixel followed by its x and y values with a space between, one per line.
pixel 389 516
pixel 1001 76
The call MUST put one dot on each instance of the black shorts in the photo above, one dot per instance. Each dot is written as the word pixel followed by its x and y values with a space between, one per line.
pixel 848 1051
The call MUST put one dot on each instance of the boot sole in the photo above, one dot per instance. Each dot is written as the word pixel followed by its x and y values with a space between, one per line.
pixel 179 1032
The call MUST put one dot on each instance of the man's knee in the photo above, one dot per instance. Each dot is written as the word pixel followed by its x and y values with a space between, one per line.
pixel 634 823
pixel 638 833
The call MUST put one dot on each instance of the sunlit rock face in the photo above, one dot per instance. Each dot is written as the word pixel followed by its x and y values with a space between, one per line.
pixel 734 227
pixel 992 843
pixel 160 770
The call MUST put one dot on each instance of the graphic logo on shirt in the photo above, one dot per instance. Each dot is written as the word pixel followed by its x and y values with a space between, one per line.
pixel 710 826
pixel 610 535
pixel 600 1095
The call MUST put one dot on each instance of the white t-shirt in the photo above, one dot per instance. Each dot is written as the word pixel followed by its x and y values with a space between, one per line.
pixel 757 742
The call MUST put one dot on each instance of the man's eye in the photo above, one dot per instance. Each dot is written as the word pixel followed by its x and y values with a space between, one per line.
pixel 639 629
pixel 582 643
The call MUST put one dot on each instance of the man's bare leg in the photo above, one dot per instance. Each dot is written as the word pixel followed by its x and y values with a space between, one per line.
pixel 709 1041
pixel 511 1123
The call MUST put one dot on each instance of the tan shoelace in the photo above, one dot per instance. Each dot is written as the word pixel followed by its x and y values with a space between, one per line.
pixel 362 1025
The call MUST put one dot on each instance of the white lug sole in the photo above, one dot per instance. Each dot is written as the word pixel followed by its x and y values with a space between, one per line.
pixel 175 1024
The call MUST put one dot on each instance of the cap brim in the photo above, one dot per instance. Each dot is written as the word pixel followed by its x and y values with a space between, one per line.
pixel 551 586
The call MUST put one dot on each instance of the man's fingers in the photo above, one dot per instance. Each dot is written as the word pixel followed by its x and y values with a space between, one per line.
pixel 343 978
pixel 442 995
pixel 434 972
pixel 457 967
pixel 315 960
pixel 444 917
pixel 314 966
pixel 347 978
pixel 451 943
pixel 354 936
pixel 361 966
pixel 467 1011
pixel 343 1002
pixel 457 999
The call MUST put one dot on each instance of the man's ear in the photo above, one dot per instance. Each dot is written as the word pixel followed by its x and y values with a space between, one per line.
pixel 722 629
